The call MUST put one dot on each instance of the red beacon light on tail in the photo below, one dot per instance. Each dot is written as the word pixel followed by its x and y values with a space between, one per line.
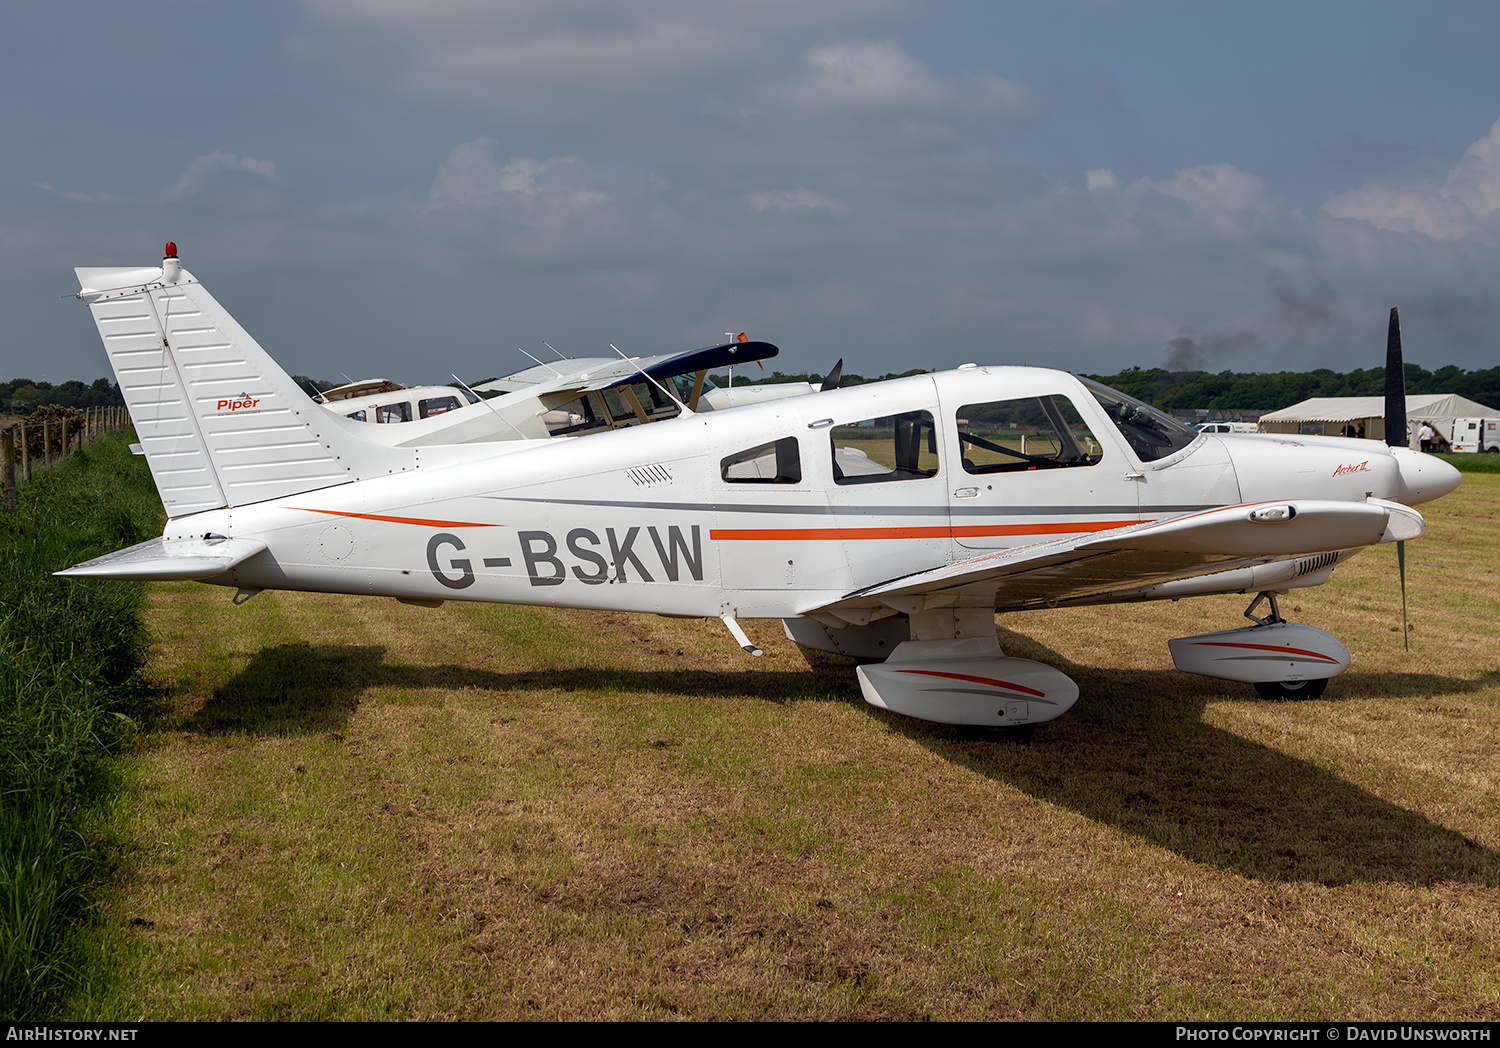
pixel 170 251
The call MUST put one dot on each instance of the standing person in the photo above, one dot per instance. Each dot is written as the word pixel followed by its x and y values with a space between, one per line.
pixel 1425 435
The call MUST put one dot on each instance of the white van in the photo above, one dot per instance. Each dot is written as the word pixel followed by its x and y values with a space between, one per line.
pixel 1476 434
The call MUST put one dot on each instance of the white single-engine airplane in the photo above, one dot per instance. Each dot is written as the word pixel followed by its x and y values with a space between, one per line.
pixel 886 521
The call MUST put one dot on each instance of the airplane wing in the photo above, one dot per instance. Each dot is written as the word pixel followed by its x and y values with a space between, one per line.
pixel 157 560
pixel 1123 561
pixel 587 374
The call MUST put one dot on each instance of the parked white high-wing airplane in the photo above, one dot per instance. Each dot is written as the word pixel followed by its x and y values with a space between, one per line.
pixel 888 520
pixel 569 397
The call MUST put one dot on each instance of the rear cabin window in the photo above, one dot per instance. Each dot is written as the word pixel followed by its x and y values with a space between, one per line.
pixel 879 450
pixel 394 412
pixel 1029 433
pixel 775 463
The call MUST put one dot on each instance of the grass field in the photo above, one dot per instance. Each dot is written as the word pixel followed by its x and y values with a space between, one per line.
pixel 352 808
pixel 69 649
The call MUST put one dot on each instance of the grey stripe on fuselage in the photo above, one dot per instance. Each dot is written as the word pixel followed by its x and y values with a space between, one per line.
pixel 864 511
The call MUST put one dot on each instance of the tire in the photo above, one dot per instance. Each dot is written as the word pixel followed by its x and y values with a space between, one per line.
pixel 1291 689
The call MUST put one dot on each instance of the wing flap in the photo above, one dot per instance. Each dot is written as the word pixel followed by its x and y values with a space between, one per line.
pixel 158 561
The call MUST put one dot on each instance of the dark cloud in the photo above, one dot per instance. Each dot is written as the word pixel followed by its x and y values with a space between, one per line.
pixel 1313 303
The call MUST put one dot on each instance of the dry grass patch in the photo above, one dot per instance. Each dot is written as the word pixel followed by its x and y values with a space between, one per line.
pixel 356 809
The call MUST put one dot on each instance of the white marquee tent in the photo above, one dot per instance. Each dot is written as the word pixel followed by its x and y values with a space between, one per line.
pixel 1437 409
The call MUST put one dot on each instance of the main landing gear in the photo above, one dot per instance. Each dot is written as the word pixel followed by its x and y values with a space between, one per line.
pixel 1284 660
pixel 951 671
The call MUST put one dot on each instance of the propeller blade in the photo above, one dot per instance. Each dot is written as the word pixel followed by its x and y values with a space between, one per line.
pixel 832 381
pixel 1401 562
pixel 1395 385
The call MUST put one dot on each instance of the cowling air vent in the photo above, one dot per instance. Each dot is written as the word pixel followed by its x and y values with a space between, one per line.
pixel 648 476
pixel 1318 563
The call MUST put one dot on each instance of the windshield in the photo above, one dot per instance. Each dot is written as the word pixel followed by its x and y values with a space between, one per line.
pixel 1151 434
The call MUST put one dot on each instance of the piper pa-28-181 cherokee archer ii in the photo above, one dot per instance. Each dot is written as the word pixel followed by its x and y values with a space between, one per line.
pixel 886 521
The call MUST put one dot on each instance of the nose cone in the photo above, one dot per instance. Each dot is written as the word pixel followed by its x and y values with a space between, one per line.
pixel 1423 477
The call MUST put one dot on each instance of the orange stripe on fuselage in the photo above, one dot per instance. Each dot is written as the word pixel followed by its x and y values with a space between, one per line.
pixel 422 522
pixel 944 531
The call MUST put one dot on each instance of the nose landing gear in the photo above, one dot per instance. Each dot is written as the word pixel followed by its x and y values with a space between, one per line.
pixel 1284 660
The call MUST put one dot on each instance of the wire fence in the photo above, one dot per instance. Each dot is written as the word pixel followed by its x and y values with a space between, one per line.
pixel 26 449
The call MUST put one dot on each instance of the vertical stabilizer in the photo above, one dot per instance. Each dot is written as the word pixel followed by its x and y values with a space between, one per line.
pixel 220 423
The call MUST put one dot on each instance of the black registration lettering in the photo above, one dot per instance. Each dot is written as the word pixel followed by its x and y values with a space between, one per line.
pixel 466 578
pixel 601 567
pixel 547 554
pixel 622 554
pixel 693 558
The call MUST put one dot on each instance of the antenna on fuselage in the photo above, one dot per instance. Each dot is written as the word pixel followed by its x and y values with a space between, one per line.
pixel 543 363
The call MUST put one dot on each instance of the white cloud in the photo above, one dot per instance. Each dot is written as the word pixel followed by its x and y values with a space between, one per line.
pixel 873 76
pixel 862 76
pixel 1102 179
pixel 82 198
pixel 201 168
pixel 473 178
pixel 1215 189
pixel 1466 204
pixel 795 200
pixel 544 59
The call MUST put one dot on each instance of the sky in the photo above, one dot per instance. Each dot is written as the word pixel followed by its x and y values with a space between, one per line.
pixel 385 188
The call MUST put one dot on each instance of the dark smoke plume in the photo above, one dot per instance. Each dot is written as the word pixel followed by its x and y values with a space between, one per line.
pixel 1313 305
pixel 1191 352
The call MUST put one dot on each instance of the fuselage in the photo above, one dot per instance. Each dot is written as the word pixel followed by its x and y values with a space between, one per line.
pixel 774 509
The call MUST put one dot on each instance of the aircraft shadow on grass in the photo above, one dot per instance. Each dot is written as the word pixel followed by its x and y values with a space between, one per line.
pixel 1135 754
pixel 303 688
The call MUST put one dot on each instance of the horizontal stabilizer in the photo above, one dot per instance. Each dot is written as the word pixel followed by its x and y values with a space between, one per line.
pixel 161 561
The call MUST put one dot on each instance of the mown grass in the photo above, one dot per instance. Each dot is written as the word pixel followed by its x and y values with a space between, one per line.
pixel 1474 462
pixel 69 651
pixel 356 809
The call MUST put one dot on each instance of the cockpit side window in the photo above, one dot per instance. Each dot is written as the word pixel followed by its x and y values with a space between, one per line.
pixel 896 447
pixel 775 463
pixel 1151 434
pixel 1029 433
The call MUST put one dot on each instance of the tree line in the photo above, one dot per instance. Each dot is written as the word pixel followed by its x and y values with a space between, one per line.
pixel 1231 389
pixel 22 396
pixel 1156 386
pixel 1234 389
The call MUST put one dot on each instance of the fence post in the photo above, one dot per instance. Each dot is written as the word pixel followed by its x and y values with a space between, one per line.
pixel 8 449
pixel 46 445
pixel 25 455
